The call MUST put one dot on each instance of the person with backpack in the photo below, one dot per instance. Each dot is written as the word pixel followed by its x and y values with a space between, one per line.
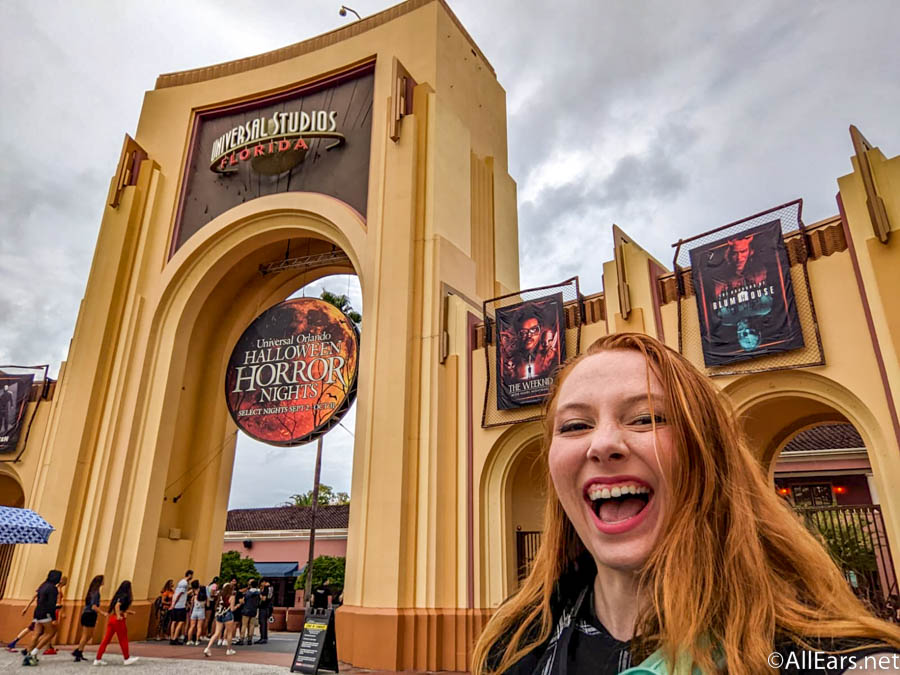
pixel 197 603
pixel 119 608
pixel 248 613
pixel 225 612
pixel 44 616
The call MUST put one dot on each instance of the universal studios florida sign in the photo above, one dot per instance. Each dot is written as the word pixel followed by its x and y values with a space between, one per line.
pixel 274 144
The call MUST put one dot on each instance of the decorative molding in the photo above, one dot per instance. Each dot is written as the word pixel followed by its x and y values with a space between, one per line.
pixel 308 46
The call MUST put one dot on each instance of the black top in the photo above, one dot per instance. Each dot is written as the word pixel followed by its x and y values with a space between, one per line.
pixel 320 597
pixel 123 600
pixel 587 648
pixel 92 602
pixel 591 650
pixel 265 597
pixel 46 600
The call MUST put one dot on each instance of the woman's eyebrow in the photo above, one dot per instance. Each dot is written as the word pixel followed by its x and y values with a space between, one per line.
pixel 574 406
pixel 658 401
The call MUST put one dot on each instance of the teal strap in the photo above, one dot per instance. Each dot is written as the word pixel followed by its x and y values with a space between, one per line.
pixel 655 664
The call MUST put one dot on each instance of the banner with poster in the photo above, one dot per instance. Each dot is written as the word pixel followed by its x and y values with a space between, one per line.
pixel 531 344
pixel 292 374
pixel 745 300
pixel 14 393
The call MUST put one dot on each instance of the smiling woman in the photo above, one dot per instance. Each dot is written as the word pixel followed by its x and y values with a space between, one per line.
pixel 665 544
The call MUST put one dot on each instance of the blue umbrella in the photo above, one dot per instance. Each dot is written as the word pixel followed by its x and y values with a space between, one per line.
pixel 23 526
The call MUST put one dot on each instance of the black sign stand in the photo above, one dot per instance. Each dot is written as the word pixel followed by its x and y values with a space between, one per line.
pixel 317 646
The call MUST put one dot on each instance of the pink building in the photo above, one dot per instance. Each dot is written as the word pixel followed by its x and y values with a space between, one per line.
pixel 277 538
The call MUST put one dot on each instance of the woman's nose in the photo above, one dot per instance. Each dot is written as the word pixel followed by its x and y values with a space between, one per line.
pixel 607 444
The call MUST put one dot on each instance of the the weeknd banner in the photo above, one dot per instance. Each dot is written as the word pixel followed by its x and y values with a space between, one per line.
pixel 745 300
pixel 14 393
pixel 292 374
pixel 531 344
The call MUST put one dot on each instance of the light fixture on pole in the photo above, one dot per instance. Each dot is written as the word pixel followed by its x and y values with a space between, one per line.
pixel 344 9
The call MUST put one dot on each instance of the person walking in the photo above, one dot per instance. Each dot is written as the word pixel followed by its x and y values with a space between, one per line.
pixel 89 615
pixel 11 647
pixel 44 617
pixel 248 613
pixel 266 593
pixel 119 608
pixel 197 604
pixel 58 614
pixel 225 613
pixel 179 608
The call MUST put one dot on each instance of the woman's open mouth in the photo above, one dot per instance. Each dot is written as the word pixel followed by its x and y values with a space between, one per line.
pixel 618 506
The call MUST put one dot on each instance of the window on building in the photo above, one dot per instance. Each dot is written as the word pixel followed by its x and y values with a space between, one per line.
pixel 816 494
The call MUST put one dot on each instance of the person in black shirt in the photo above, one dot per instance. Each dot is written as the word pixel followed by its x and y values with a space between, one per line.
pixel 44 616
pixel 89 615
pixel 665 544
pixel 320 597
pixel 266 593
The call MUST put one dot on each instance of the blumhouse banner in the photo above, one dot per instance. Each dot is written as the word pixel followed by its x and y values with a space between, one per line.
pixel 14 393
pixel 745 300
pixel 531 344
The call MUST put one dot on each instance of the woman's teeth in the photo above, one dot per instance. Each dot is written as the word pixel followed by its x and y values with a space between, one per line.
pixel 597 491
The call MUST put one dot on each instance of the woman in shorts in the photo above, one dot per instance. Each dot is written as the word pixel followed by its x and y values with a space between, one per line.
pixel 225 613
pixel 665 543
pixel 89 615
pixel 197 615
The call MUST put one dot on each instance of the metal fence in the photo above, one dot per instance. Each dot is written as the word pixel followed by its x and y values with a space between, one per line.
pixel 856 538
pixel 6 554
pixel 527 545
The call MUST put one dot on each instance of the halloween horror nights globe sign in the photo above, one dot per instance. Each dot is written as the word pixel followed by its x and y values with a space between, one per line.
pixel 292 374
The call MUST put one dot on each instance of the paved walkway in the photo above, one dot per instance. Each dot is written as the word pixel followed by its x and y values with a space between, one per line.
pixel 161 658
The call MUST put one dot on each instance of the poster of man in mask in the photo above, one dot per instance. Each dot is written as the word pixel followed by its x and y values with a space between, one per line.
pixel 14 392
pixel 530 346
pixel 745 300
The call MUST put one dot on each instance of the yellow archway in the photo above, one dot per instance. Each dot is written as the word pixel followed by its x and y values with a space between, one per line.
pixel 497 527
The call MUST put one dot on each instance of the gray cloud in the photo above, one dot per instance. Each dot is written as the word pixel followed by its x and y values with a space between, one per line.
pixel 665 118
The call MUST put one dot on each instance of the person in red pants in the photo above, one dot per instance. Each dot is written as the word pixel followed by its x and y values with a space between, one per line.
pixel 118 609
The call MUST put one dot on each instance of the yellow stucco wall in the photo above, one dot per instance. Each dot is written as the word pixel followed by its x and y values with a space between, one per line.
pixel 436 497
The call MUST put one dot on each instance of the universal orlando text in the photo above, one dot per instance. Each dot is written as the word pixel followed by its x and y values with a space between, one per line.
pixel 291 368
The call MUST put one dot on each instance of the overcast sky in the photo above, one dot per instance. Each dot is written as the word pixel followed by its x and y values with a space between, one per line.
pixel 667 118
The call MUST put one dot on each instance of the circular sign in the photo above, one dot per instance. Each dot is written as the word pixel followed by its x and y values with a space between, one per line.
pixel 292 374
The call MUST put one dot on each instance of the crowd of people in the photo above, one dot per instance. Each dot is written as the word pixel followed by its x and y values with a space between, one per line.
pixel 48 612
pixel 187 613
pixel 190 613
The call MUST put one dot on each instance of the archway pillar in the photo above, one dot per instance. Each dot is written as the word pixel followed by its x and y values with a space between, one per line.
pixel 752 395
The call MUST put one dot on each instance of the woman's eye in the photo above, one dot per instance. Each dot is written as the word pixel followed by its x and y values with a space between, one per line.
pixel 648 420
pixel 567 427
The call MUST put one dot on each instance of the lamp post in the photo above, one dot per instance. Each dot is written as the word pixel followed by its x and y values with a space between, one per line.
pixel 344 9
pixel 312 525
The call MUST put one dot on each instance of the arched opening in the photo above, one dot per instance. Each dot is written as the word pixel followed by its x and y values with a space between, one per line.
pixel 525 493
pixel 816 449
pixel 11 494
pixel 215 286
pixel 512 500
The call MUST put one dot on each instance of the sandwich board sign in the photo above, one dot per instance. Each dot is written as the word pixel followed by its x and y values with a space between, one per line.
pixel 317 646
